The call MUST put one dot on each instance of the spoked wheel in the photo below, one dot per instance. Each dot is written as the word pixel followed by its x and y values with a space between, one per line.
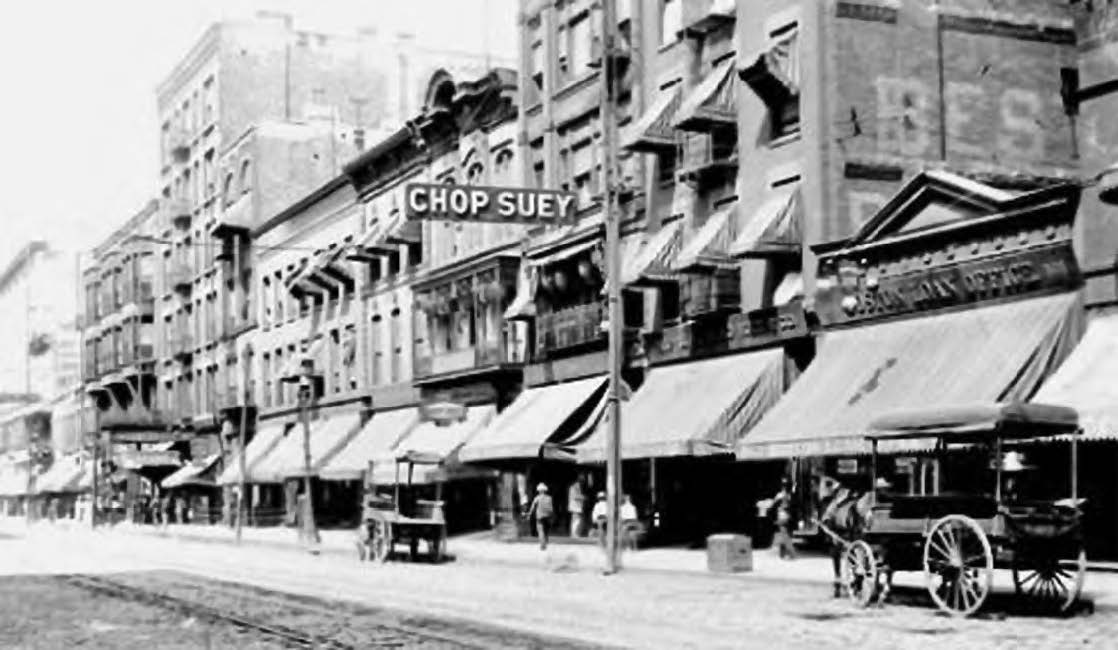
pixel 958 565
pixel 1052 583
pixel 859 573
pixel 381 542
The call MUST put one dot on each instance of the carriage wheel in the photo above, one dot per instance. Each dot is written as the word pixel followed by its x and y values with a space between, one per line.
pixel 381 542
pixel 1054 583
pixel 958 565
pixel 859 573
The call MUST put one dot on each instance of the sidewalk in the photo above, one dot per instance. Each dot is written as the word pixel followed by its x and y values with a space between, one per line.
pixel 482 548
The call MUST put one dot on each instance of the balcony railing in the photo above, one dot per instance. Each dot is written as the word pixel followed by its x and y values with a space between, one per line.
pixel 137 417
pixel 567 328
pixel 705 155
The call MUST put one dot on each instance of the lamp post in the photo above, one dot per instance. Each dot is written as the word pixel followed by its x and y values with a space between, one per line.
pixel 305 380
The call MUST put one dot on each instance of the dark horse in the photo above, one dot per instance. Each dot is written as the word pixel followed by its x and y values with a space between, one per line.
pixel 842 519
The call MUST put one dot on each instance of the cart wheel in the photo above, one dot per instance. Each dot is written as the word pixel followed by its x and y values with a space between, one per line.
pixel 381 542
pixel 436 547
pixel 1051 582
pixel 859 573
pixel 958 565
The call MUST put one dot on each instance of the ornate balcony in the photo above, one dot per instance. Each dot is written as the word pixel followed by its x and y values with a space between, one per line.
pixel 569 328
pixel 707 156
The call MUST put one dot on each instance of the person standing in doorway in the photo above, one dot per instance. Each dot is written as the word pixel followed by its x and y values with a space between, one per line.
pixel 576 501
pixel 598 517
pixel 782 505
pixel 542 509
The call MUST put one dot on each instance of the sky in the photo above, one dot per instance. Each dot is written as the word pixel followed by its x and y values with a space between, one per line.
pixel 78 125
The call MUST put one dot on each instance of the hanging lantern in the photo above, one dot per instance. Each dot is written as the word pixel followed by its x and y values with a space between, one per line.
pixel 561 282
pixel 547 282
pixel 586 271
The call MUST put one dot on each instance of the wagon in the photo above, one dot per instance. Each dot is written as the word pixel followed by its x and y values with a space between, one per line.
pixel 398 517
pixel 959 539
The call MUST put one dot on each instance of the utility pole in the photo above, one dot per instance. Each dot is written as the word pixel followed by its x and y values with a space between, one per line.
pixel 613 274
pixel 241 461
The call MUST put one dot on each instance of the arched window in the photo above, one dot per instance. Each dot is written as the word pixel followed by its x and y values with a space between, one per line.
pixel 246 179
pixel 227 189
pixel 503 166
pixel 475 174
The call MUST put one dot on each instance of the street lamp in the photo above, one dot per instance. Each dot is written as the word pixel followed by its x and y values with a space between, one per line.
pixel 305 378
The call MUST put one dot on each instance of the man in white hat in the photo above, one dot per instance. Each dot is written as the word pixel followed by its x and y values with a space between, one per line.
pixel 543 509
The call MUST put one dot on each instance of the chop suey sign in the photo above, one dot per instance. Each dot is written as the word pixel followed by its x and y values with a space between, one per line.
pixel 439 201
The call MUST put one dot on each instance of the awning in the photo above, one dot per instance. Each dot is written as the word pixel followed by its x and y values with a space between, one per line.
pixel 774 75
pixel 14 481
pixel 267 438
pixel 774 229
pixel 649 257
pixel 156 456
pixel 193 474
pixel 306 281
pixel 654 132
pixel 554 242
pixel 326 270
pixel 1088 380
pixel 710 246
pixel 385 237
pixel 564 253
pixel 435 440
pixel 534 417
pixel 379 435
pixel 711 103
pixel 697 408
pixel 315 352
pixel 997 353
pixel 288 460
pixel 62 476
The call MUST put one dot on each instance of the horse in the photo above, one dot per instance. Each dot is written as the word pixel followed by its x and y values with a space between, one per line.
pixel 843 519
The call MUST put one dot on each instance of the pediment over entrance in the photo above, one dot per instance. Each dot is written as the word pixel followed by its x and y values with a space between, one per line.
pixel 930 200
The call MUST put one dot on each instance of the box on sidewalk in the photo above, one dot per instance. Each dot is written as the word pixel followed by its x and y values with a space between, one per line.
pixel 729 553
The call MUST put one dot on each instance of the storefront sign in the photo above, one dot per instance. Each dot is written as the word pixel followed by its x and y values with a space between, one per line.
pixel 443 412
pixel 846 466
pixel 440 201
pixel 763 326
pixel 1015 274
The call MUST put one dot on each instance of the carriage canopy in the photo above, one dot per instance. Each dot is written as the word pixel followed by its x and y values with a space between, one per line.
pixel 976 421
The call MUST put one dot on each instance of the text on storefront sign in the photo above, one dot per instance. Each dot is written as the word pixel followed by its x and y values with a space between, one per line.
pixel 438 201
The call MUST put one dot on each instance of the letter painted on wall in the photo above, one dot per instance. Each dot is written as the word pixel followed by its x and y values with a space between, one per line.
pixel 902 116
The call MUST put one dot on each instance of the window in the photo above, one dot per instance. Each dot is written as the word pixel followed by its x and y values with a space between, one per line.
pixel 502 167
pixel 671 20
pixel 581 41
pixel 246 179
pixel 227 190
pixel 475 174
pixel 537 64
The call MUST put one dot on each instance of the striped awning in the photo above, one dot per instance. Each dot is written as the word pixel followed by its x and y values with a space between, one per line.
pixel 709 246
pixel 773 229
pixel 998 353
pixel 196 473
pixel 711 103
pixel 1088 380
pixel 379 435
pixel 267 437
pixel 649 257
pixel 433 440
pixel 653 131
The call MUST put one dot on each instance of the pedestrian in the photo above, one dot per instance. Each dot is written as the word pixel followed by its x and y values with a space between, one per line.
pixel 165 507
pixel 543 509
pixel 782 505
pixel 630 521
pixel 576 501
pixel 598 516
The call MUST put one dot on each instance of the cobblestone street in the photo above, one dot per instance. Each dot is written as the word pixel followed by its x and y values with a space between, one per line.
pixel 643 609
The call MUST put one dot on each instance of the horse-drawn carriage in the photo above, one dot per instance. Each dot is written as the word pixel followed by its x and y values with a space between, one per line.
pixel 959 539
pixel 401 517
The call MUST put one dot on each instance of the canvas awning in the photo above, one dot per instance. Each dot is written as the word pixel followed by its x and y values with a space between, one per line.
pixel 523 305
pixel 553 244
pixel 385 237
pixel 196 474
pixel 534 417
pixel 327 436
pixel 379 435
pixel 62 476
pixel 697 408
pixel 649 257
pixel 434 440
pixel 996 353
pixel 654 132
pixel 306 281
pixel 14 481
pixel 711 103
pixel 774 74
pixel 710 246
pixel 1088 380
pixel 267 438
pixel 773 229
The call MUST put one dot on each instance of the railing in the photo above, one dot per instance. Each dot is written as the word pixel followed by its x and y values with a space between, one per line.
pixel 483 355
pixel 568 328
pixel 136 416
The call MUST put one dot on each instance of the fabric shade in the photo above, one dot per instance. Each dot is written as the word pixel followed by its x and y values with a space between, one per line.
pixel 651 256
pixel 710 246
pixel 265 441
pixel 653 131
pixel 61 477
pixel 14 481
pixel 1088 380
pixel 434 440
pixel 327 436
pixel 997 353
pixel 773 229
pixel 535 415
pixel 697 408
pixel 711 102
pixel 193 474
pixel 377 438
